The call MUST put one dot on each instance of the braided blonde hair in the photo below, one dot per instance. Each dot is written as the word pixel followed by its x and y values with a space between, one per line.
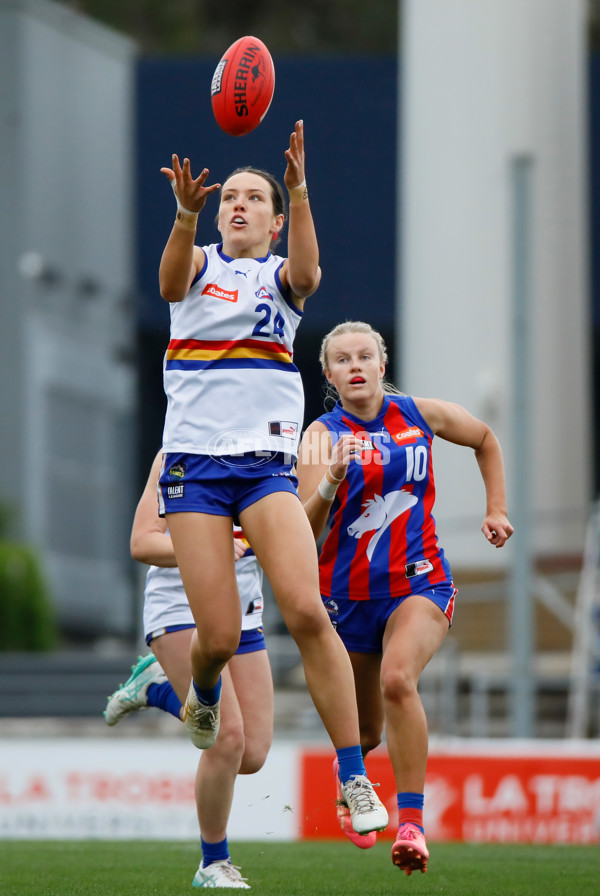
pixel 354 326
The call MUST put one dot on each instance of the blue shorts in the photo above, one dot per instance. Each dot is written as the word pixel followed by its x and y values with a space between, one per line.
pixel 361 623
pixel 251 640
pixel 199 483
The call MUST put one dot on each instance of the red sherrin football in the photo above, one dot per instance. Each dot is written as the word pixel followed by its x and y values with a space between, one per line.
pixel 242 86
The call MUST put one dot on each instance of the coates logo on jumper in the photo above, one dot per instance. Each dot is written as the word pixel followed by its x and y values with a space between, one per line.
pixel 263 293
pixel 408 435
pixel 211 289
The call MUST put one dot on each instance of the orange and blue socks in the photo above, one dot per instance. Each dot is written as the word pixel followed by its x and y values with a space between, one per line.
pixel 410 809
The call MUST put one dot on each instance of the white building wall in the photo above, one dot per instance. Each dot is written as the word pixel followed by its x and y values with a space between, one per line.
pixel 68 335
pixel 483 82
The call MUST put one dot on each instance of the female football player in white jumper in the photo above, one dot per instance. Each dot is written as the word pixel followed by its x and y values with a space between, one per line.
pixel 235 408
pixel 161 679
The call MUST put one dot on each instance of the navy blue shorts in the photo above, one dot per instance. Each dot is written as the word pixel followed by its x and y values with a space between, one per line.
pixel 251 640
pixel 223 486
pixel 361 623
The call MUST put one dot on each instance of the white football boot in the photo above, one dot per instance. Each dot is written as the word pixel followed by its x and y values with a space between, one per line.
pixel 220 874
pixel 133 695
pixel 201 721
pixel 367 812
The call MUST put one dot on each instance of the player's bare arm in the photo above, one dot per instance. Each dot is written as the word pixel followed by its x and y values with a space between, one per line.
pixel 181 259
pixel 454 423
pixel 300 271
pixel 150 542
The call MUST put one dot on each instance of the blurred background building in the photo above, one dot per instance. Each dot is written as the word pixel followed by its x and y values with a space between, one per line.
pixel 448 148
pixel 68 388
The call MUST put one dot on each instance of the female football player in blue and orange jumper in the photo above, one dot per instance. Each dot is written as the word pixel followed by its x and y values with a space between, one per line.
pixel 366 469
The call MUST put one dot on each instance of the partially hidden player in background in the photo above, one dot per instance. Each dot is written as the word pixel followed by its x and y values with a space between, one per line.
pixel 366 469
pixel 235 407
pixel 161 679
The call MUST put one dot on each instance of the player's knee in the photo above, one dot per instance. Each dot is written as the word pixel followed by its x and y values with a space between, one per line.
pixel 253 759
pixel 230 742
pixel 397 685
pixel 304 623
pixel 220 648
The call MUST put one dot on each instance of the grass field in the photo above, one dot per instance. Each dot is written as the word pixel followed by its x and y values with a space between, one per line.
pixel 73 868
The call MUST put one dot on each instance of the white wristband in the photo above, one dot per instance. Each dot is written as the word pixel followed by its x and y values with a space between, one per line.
pixel 299 186
pixel 180 208
pixel 327 489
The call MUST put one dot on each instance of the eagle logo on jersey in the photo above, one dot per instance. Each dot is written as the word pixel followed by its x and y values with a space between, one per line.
pixel 379 514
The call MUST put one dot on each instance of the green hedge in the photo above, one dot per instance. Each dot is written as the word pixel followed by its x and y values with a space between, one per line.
pixel 26 617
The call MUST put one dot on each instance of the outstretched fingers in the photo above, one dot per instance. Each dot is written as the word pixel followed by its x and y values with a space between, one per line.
pixel 191 192
pixel 295 173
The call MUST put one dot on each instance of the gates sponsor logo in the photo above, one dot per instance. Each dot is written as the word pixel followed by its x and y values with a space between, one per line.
pixel 212 289
pixel 407 435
